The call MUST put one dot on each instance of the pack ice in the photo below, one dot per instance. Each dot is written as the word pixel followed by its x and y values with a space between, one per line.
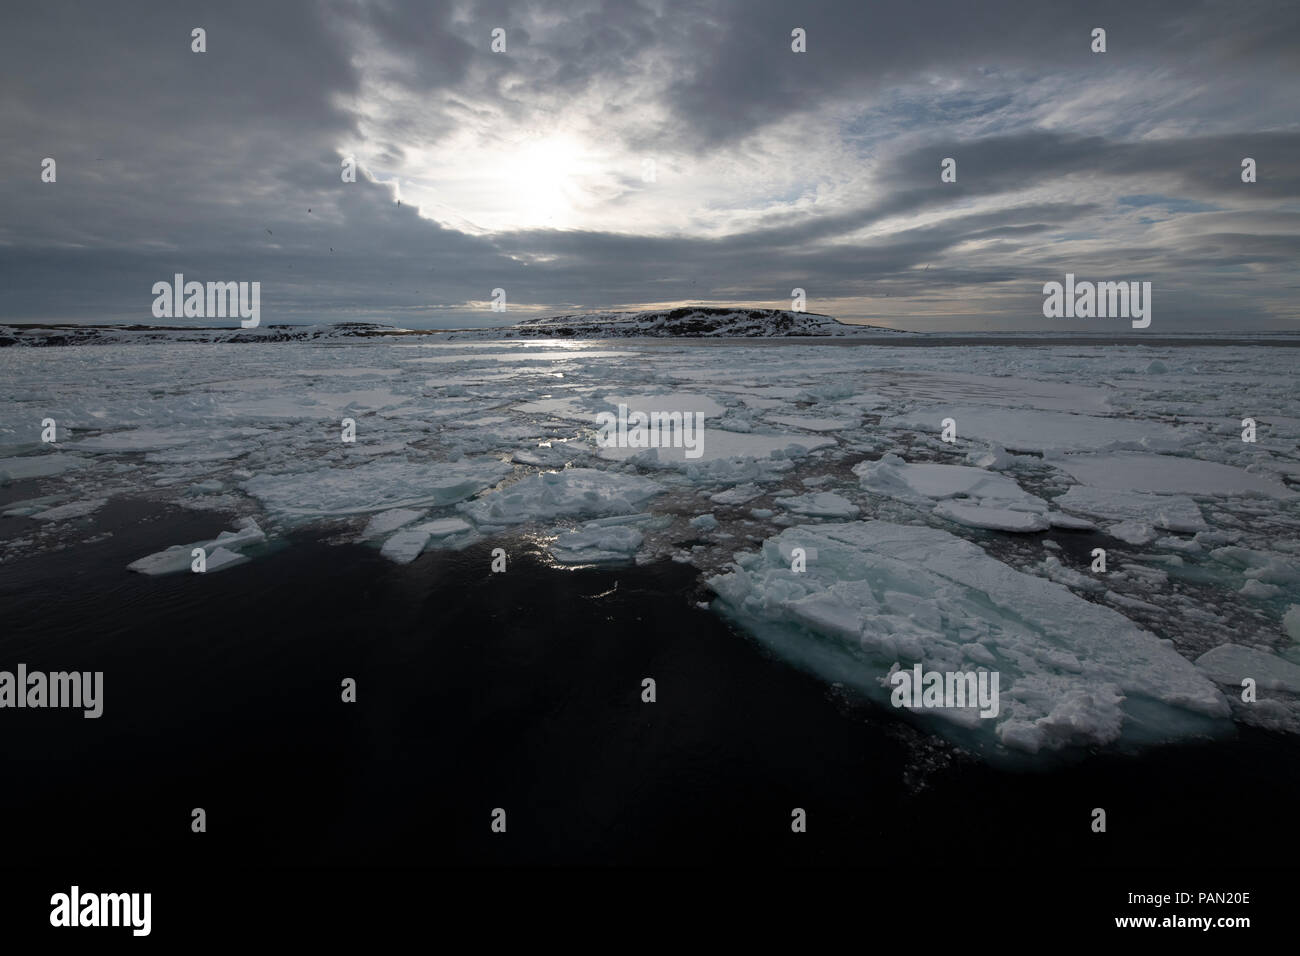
pixel 878 595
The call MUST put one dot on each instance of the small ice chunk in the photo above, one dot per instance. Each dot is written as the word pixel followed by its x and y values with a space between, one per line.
pixel 74 509
pixel 704 522
pixel 737 495
pixel 444 527
pixel 974 515
pixel 992 458
pixel 1133 532
pixel 822 504
pixel 1133 604
pixel 388 521
pixel 1291 622
pixel 403 547
pixel 1258 589
pixel 1059 573
pixel 597 544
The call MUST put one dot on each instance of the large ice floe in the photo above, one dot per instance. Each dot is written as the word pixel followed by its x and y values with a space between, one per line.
pixel 1035 430
pixel 373 486
pixel 966 495
pixel 1167 474
pixel 876 594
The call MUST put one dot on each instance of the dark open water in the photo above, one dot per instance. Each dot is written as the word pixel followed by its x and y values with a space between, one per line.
pixel 522 691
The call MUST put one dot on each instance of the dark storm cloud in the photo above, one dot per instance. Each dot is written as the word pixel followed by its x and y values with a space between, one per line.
pixel 733 81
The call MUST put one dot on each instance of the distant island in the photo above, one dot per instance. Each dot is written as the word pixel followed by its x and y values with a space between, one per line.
pixel 685 322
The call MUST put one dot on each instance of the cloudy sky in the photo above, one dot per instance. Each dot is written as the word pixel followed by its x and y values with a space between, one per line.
pixel 638 154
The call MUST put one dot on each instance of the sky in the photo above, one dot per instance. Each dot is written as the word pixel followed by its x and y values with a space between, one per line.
pixel 626 155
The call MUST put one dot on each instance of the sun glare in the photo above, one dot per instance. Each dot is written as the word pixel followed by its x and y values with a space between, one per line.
pixel 543 180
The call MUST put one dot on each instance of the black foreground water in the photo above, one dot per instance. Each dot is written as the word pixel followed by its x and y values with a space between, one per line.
pixel 522 691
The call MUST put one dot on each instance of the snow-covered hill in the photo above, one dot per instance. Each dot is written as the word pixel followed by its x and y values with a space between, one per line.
pixel 690 321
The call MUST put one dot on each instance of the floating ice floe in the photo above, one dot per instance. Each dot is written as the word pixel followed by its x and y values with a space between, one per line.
pixel 73 509
pixel 373 486
pixel 37 466
pixel 1171 512
pixel 598 542
pixel 1039 431
pixel 445 527
pixel 737 495
pixel 553 494
pixel 221 552
pixel 143 439
pixel 1231 663
pixel 1167 475
pixel 405 546
pixel 966 495
pixel 821 504
pixel 27 507
pixel 389 521
pixel 1266 567
pixel 879 594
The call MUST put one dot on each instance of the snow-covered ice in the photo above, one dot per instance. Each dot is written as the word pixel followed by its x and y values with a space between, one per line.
pixel 553 494
pixel 967 495
pixel 879 594
pixel 1167 474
